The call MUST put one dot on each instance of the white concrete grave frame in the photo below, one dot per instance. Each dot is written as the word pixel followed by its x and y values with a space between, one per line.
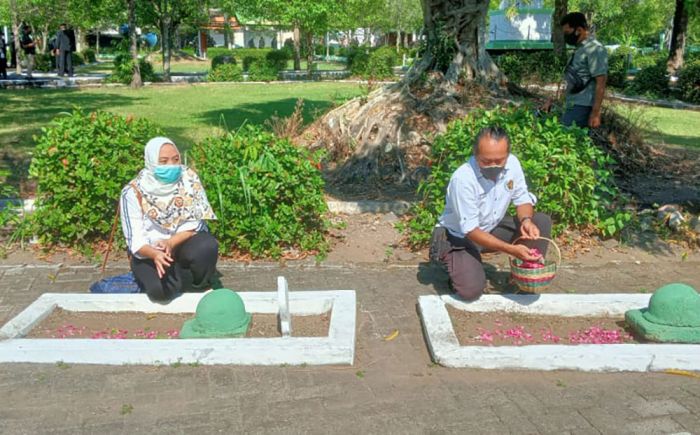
pixel 446 350
pixel 337 348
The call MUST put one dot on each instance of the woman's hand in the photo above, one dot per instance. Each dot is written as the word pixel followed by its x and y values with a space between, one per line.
pixel 162 260
pixel 166 246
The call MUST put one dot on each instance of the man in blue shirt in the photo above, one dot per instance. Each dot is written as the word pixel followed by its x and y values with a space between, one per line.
pixel 478 196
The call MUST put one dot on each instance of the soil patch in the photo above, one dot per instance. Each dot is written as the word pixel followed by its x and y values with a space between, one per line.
pixel 514 329
pixel 138 325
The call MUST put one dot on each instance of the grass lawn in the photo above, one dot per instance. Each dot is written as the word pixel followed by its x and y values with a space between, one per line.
pixel 672 127
pixel 187 113
pixel 675 127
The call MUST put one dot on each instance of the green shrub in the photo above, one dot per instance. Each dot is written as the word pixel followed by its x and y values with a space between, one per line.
pixel 278 59
pixel 619 62
pixel 123 70
pixel 650 59
pixel 225 73
pixel 689 82
pixel 89 55
pixel 563 168
pixel 358 60
pixel 81 162
pixel 267 193
pixel 44 62
pixel 262 71
pixel 222 59
pixel 77 59
pixel 651 82
pixel 250 55
pixel 381 62
pixel 531 67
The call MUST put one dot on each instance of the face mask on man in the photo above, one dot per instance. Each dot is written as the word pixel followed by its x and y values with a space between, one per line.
pixel 571 38
pixel 492 172
pixel 168 174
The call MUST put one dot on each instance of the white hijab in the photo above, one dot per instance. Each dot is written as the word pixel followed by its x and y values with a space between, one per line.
pixel 170 205
pixel 148 181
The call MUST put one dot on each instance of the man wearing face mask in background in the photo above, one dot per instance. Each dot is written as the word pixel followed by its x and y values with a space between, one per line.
pixel 585 74
pixel 474 220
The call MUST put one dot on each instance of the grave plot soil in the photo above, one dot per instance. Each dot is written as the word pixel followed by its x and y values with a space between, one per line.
pixel 515 329
pixel 137 325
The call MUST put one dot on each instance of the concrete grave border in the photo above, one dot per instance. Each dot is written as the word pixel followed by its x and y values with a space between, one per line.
pixel 446 351
pixel 337 348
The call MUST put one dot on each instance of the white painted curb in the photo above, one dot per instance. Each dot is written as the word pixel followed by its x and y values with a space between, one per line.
pixel 446 351
pixel 337 348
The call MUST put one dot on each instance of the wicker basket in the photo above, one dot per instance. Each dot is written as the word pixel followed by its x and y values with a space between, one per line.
pixel 531 280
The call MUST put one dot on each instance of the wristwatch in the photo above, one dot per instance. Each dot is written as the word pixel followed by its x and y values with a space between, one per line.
pixel 525 218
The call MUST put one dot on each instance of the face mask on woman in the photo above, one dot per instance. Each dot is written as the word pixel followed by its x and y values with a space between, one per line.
pixel 168 174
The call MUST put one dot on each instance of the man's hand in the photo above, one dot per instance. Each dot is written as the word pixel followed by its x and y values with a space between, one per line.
pixel 523 252
pixel 528 230
pixel 594 120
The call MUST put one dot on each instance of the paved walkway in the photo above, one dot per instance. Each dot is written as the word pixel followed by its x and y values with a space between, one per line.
pixel 393 387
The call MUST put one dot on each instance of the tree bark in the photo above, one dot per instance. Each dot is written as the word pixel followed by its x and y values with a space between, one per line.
pixel 456 42
pixel 560 9
pixel 97 42
pixel 309 53
pixel 15 30
pixel 297 47
pixel 227 28
pixel 165 43
pixel 678 38
pixel 80 40
pixel 136 81
pixel 386 134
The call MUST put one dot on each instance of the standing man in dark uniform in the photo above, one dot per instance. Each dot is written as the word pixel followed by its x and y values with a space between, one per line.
pixel 3 57
pixel 29 46
pixel 63 51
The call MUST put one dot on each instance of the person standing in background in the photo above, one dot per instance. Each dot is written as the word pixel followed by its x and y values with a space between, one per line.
pixel 63 52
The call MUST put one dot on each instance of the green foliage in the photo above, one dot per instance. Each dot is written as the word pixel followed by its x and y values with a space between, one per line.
pixel 44 62
pixel 89 55
pixel 227 72
pixel 619 62
pixel 641 60
pixel 374 63
pixel 651 82
pixel 222 59
pixel 381 62
pixel 251 55
pixel 262 71
pixel 123 70
pixel 81 162
pixel 531 67
pixel 689 82
pixel 267 193
pixel 278 59
pixel 358 59
pixel 442 46
pixel 564 170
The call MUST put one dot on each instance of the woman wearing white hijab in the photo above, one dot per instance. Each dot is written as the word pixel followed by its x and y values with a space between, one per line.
pixel 163 213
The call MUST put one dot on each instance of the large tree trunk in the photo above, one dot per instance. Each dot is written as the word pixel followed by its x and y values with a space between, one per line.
pixel 297 47
pixel 136 81
pixel 560 9
pixel 165 44
pixel 680 31
pixel 309 53
pixel 15 30
pixel 385 135
pixel 80 40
